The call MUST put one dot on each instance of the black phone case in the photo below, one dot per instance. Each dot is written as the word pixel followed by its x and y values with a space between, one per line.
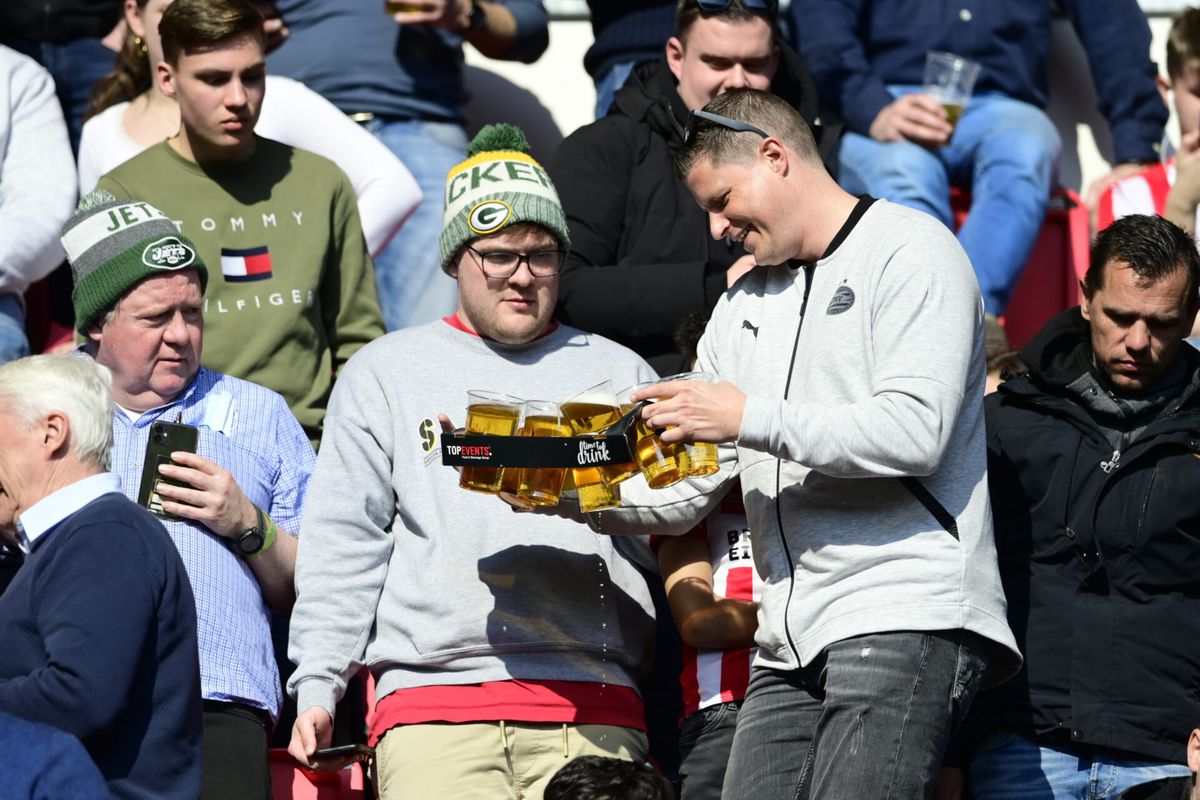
pixel 165 438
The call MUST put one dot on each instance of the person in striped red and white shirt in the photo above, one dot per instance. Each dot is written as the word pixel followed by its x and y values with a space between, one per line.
pixel 1170 189
pixel 713 590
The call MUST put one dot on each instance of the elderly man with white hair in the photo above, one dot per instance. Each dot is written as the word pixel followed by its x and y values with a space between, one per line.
pixel 99 625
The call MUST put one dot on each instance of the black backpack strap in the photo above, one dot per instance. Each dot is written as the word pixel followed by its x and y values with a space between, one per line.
pixel 939 512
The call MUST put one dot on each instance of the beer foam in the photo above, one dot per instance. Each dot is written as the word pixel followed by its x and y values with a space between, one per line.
pixel 597 397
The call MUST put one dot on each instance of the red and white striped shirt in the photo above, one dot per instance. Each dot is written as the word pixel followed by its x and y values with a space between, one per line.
pixel 1143 193
pixel 720 676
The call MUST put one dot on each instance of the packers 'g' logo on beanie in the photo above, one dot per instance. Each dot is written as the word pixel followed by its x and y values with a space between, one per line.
pixel 488 217
pixel 498 185
pixel 113 245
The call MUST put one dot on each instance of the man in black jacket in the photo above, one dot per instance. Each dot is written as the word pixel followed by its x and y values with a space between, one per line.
pixel 641 256
pixel 1094 469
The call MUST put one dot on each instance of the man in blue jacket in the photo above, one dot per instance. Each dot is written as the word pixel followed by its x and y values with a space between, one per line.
pixel 99 625
pixel 868 59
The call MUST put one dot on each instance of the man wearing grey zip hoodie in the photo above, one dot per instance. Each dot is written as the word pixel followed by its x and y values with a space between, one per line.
pixel 850 402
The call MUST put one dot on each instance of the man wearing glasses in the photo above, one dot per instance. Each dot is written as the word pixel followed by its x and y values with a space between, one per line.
pixel 641 259
pixel 850 404
pixel 502 645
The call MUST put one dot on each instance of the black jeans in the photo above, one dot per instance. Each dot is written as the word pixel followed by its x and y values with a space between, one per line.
pixel 869 718
pixel 235 753
pixel 704 744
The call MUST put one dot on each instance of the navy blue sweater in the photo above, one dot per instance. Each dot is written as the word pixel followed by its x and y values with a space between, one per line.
pixel 99 633
pixel 38 762
pixel 855 48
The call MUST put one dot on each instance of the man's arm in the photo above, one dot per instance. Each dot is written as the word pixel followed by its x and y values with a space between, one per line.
pixel 592 169
pixel 387 192
pixel 925 326
pixel 704 618
pixel 346 541
pixel 1116 38
pixel 829 43
pixel 512 30
pixel 94 622
pixel 349 301
pixel 37 173
pixel 213 498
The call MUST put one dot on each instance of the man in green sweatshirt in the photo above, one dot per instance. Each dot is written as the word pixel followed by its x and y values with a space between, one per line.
pixel 294 297
pixel 502 645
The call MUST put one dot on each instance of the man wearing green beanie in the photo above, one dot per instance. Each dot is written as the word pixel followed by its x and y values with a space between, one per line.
pixel 501 645
pixel 233 510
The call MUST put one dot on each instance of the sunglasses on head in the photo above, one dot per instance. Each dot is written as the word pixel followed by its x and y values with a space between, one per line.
pixel 750 5
pixel 725 122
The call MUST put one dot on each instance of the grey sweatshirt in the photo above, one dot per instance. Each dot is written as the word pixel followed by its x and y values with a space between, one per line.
pixel 885 380
pixel 428 584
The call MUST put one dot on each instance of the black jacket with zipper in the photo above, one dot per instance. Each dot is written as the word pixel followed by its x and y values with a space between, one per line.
pixel 1096 501
pixel 641 255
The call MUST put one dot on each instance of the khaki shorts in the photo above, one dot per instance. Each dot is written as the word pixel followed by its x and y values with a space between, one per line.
pixel 490 760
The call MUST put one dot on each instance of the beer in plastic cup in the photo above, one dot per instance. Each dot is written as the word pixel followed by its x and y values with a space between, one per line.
pixel 950 79
pixel 592 411
pixel 489 413
pixel 541 486
pixel 697 459
pixel 657 461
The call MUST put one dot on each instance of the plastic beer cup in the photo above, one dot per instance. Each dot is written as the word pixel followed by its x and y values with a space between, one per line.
pixel 489 413
pixel 657 461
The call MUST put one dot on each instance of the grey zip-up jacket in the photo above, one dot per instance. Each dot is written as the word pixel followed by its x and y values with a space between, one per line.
pixel 863 372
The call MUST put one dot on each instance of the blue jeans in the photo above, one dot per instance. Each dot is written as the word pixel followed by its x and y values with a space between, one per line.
pixel 13 343
pixel 1004 151
pixel 75 66
pixel 869 718
pixel 408 273
pixel 1012 767
pixel 704 744
pixel 607 85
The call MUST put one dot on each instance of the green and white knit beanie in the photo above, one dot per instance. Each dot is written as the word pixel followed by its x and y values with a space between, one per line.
pixel 115 244
pixel 498 185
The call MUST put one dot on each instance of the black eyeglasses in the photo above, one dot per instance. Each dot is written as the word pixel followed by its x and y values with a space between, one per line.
pixel 725 122
pixel 503 264
pixel 752 5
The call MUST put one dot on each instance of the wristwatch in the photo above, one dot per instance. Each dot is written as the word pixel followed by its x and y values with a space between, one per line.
pixel 477 19
pixel 252 540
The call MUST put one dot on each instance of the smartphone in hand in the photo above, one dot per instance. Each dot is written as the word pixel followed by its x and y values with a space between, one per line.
pixel 165 438
pixel 335 758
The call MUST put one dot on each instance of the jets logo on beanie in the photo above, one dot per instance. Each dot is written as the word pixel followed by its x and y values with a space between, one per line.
pixel 113 245
pixel 499 185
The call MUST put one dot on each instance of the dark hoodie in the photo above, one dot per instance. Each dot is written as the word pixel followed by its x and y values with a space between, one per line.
pixel 641 255
pixel 1097 520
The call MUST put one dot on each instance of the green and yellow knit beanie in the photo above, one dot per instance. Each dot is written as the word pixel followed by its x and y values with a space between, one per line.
pixel 115 244
pixel 498 185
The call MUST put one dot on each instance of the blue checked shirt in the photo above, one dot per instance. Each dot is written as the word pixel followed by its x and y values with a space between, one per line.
pixel 249 431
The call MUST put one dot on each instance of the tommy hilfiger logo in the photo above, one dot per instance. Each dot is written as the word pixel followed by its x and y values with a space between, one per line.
pixel 252 264
pixel 843 298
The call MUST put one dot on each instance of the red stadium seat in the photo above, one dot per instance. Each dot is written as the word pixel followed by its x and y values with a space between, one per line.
pixel 290 781
pixel 1050 282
